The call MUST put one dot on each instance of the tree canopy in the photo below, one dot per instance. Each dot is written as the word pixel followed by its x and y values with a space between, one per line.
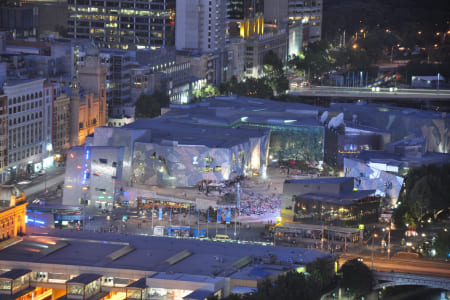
pixel 356 277
pixel 149 106
pixel 293 285
pixel 426 192
pixel 442 244
pixel 273 72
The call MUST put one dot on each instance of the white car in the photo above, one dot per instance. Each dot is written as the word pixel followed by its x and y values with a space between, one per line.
pixel 24 182
pixel 34 175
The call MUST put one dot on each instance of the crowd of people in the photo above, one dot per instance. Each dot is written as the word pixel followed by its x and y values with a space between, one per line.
pixel 259 204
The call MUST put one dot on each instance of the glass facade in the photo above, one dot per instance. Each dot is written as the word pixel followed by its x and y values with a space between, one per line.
pixel 313 211
pixel 294 142
pixel 121 24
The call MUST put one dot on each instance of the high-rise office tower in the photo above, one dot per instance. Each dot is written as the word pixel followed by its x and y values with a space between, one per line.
pixel 201 25
pixel 309 13
pixel 246 17
pixel 123 24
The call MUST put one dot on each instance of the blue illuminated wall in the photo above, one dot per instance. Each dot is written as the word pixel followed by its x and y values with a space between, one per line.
pixel 93 174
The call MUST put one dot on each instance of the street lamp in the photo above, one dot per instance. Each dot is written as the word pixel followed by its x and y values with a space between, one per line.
pixel 49 149
pixel 438 75
pixel 389 241
pixel 373 239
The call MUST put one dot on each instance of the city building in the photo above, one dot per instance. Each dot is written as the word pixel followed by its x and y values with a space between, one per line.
pixel 246 17
pixel 295 131
pixel 201 25
pixel 88 107
pixel 384 171
pixel 26 140
pixel 400 122
pixel 159 152
pixel 49 97
pixel 202 31
pixel 99 183
pixel 12 214
pixel 53 16
pixel 19 21
pixel 349 140
pixel 118 86
pixel 123 24
pixel 82 266
pixel 213 140
pixel 207 66
pixel 3 138
pixel 61 125
pixel 249 52
pixel 162 70
pixel 284 12
pixel 330 201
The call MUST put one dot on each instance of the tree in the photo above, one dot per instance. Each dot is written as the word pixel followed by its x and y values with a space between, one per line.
pixel 442 244
pixel 273 72
pixel 209 91
pixel 356 277
pixel 289 286
pixel 321 271
pixel 149 106
pixel 426 191
pixel 421 195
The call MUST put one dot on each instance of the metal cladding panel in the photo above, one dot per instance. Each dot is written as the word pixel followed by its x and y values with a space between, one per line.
pixel 106 176
pixel 93 174
pixel 113 136
pixel 180 165
pixel 72 181
pixel 369 178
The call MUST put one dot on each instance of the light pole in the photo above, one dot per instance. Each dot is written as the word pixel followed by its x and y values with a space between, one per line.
pixel 373 239
pixel 49 149
pixel 237 210
pixel 439 75
pixel 389 241
pixel 153 210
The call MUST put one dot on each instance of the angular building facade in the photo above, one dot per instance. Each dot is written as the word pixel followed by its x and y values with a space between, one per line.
pixel 95 175
pixel 159 153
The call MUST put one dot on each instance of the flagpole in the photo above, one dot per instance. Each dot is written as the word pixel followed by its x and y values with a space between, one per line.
pixel 189 216
pixel 153 210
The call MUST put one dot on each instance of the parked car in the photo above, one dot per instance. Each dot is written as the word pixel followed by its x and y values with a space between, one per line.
pixel 24 182
pixel 41 172
pixel 34 175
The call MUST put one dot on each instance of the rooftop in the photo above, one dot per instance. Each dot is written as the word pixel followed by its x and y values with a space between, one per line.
pixel 14 274
pixel 347 198
pixel 319 180
pixel 163 129
pixel 207 258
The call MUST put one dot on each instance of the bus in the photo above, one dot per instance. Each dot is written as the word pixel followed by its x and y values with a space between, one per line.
pixel 181 231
